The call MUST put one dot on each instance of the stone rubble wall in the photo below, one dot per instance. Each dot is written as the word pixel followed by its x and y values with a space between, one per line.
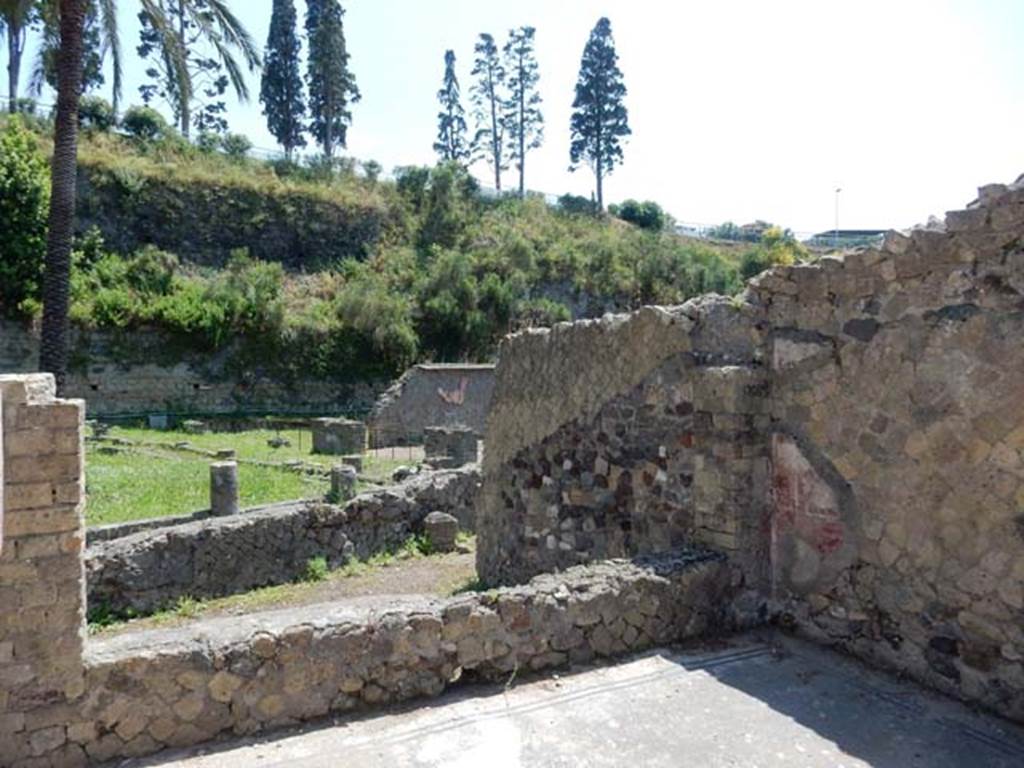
pixel 665 444
pixel 217 556
pixel 856 444
pixel 241 675
pixel 432 395
pixel 117 378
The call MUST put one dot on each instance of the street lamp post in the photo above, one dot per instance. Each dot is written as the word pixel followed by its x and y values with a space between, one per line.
pixel 835 234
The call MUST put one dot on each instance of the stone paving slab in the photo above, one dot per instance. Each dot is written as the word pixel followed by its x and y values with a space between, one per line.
pixel 763 701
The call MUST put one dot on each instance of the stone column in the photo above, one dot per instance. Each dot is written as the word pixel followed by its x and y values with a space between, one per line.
pixel 224 488
pixel 343 482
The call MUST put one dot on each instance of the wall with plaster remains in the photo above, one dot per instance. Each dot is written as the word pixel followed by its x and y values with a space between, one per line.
pixel 432 395
pixel 852 432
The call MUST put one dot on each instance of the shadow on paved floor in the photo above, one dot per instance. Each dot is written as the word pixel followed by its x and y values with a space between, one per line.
pixel 752 701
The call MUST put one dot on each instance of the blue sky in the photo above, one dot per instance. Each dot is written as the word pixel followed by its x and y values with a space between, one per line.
pixel 740 109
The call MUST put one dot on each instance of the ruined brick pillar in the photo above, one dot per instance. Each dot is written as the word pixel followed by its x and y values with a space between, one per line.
pixel 42 582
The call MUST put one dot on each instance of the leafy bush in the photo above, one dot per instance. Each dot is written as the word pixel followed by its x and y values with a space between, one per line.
pixel 449 203
pixel 777 247
pixel 646 215
pixel 145 124
pixel 96 114
pixel 236 146
pixel 577 204
pixel 372 170
pixel 208 142
pixel 24 206
pixel 411 182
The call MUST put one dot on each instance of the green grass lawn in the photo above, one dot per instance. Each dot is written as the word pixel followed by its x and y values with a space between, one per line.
pixel 134 486
pixel 144 482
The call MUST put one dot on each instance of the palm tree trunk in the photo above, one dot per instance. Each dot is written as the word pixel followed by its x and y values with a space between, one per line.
pixel 57 277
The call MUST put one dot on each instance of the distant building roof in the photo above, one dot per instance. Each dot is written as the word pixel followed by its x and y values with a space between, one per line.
pixel 848 233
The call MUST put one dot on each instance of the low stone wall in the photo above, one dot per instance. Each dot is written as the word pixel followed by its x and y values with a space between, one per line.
pixel 432 395
pixel 120 373
pixel 164 688
pixel 219 556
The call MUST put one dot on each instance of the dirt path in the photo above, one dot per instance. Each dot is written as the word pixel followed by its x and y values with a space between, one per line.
pixel 439 575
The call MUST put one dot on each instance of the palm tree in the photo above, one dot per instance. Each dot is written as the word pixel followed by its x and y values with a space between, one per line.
pixel 53 356
pixel 15 18
pixel 102 13
pixel 224 30
pixel 208 20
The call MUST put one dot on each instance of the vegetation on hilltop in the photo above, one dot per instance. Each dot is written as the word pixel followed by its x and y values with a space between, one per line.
pixel 444 274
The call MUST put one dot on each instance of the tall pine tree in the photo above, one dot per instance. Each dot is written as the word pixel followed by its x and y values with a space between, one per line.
pixel 599 117
pixel 451 144
pixel 488 97
pixel 523 118
pixel 332 86
pixel 281 88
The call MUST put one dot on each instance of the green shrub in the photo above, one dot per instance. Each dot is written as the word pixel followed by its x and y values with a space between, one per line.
pixel 316 569
pixel 208 142
pixel 96 114
pixel 236 146
pixel 411 182
pixel 145 124
pixel 372 170
pixel 24 207
pixel 578 205
pixel 646 215
pixel 448 206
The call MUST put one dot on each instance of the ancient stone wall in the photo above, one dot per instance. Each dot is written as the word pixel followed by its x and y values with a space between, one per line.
pixel 217 556
pixel 856 442
pixel 898 400
pixel 432 395
pixel 118 376
pixel 667 444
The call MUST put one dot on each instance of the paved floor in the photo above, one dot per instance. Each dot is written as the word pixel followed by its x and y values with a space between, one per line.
pixel 752 704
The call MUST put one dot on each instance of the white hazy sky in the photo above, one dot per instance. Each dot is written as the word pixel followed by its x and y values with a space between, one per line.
pixel 740 109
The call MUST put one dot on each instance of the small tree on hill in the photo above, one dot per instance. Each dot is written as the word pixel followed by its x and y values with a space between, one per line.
pixel 523 116
pixel 24 202
pixel 332 86
pixel 599 118
pixel 451 144
pixel 281 88
pixel 488 97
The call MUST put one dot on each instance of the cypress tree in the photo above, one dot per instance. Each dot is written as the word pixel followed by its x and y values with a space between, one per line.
pixel 281 89
pixel 523 116
pixel 332 86
pixel 599 117
pixel 451 145
pixel 488 97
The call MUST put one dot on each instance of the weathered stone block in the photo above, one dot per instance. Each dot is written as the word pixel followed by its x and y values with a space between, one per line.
pixel 441 531
pixel 339 437
pixel 449 447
